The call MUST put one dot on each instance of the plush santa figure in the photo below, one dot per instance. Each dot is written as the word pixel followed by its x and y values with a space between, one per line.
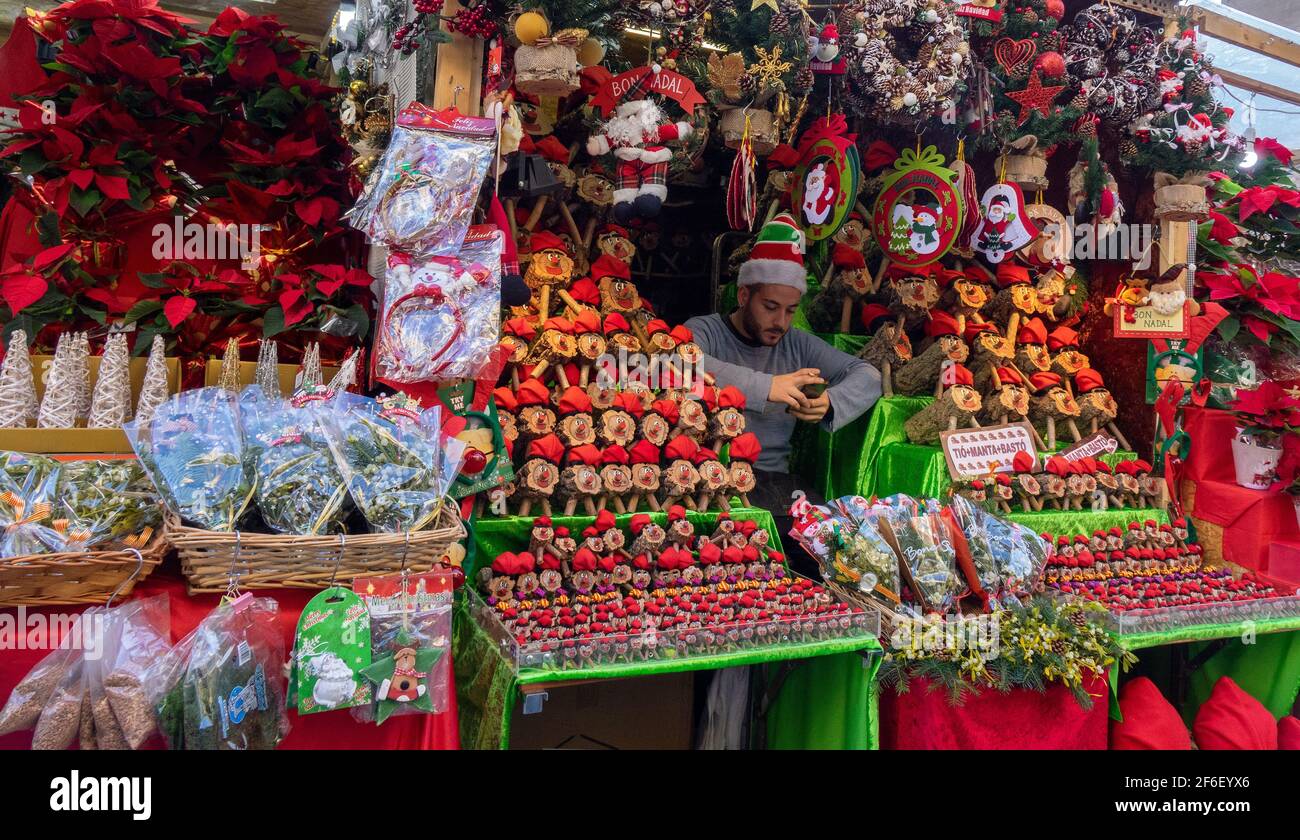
pixel 818 195
pixel 1171 84
pixel 637 134
pixel 824 50
pixel 1003 227
pixel 1197 129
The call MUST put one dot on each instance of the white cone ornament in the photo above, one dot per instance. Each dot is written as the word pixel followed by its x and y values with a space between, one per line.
pixel 110 405
pixel 154 391
pixel 59 407
pixel 17 389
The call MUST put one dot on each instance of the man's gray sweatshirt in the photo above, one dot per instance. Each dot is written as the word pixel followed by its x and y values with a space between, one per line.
pixel 854 385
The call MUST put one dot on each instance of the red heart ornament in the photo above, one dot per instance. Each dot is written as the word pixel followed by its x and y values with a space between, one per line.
pixel 1010 53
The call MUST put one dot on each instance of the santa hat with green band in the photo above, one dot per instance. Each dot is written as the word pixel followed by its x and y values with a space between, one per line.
pixel 777 256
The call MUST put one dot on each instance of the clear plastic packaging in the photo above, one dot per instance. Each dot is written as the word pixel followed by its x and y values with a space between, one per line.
pixel 60 718
pixel 142 635
pixel 424 188
pixel 410 640
pixel 396 460
pixel 441 315
pixel 23 708
pixel 299 488
pixel 26 502
pixel 928 554
pixel 193 449
pixel 105 500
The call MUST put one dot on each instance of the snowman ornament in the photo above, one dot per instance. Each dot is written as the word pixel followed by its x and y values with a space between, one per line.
pixel 924 231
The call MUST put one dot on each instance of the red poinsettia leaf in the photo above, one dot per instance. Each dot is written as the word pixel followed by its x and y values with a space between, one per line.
pixel 251 204
pixel 316 210
pixel 1255 200
pixel 51 255
pixel 1289 197
pixel 228 22
pixel 288 149
pixel 113 186
pixel 281 188
pixel 1223 230
pixel 178 308
pixel 295 305
pixel 359 277
pixel 22 290
pixel 110 29
pixel 328 287
pixel 20 145
pixel 83 178
pixel 103 155
pixel 251 66
pixel 1267 145
pixel 105 296
pixel 69 144
pixel 1260 328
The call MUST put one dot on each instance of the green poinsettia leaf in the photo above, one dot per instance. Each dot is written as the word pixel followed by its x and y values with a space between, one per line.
pixel 47 229
pixel 1229 327
pixel 154 280
pixel 1227 188
pixel 141 309
pixel 84 201
pixel 273 322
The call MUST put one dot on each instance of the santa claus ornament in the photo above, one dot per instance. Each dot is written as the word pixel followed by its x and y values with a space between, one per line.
pixel 1004 226
pixel 824 51
pixel 637 135
pixel 918 214
pixel 826 179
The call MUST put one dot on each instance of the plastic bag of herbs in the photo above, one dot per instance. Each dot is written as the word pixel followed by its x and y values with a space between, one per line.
pixel 27 501
pixel 101 501
pixel 299 489
pixel 193 449
pixel 396 460
pixel 222 687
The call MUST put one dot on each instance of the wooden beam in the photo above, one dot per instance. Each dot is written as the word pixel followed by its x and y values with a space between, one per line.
pixel 458 74
pixel 1243 35
pixel 1248 83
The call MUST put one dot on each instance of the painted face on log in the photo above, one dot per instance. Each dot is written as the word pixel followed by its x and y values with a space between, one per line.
pixel 577 429
pixel 917 292
pixel 972 295
pixel 1037 356
pixel 619 295
pixel 548 267
pixel 954 348
pixel 617 427
pixel 645 477
pixel 538 420
pixel 1024 297
pixel 1029 484
pixel 616 478
pixel 1063 402
pixel 742 476
pixel 1071 361
pixel 541 476
pixel 965 398
pixel 1015 399
pixel 591 346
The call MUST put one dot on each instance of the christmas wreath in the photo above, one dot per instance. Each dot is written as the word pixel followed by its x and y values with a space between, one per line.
pixel 1114 59
pixel 901 89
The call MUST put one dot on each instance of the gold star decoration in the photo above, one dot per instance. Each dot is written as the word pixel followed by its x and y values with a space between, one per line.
pixel 771 4
pixel 1035 97
pixel 769 67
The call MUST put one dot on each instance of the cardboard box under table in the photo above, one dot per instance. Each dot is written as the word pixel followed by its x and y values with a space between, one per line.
pixel 824 697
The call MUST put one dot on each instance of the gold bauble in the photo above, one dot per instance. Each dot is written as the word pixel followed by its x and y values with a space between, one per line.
pixel 530 26
pixel 358 88
pixel 591 52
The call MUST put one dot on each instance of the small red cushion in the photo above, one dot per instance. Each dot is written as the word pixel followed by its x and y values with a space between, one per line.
pixel 1288 733
pixel 1150 721
pixel 1233 720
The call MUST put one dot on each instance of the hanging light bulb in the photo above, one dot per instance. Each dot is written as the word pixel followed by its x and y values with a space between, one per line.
pixel 1250 158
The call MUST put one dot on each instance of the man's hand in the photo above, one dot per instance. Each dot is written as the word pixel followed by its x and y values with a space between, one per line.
pixel 815 409
pixel 787 388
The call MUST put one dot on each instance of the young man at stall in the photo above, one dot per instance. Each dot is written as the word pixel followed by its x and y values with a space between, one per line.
pixel 787 375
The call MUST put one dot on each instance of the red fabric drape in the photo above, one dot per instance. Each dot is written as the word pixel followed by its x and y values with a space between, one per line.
pixel 1251 519
pixel 1019 720
pixel 326 730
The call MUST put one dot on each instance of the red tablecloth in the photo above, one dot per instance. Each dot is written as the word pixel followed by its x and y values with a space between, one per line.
pixel 1251 519
pixel 1018 720
pixel 327 730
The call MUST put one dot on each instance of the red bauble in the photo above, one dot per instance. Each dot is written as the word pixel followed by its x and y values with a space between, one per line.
pixel 1050 64
pixel 1055 9
pixel 475 461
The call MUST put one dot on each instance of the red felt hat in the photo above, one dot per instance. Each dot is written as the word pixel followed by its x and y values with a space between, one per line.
pixel 1056 465
pixel 589 532
pixel 870 312
pixel 1003 478
pixel 731 397
pixel 681 334
pixel 542 522
pixel 1023 462
pixel 584 290
pixel 732 554
pixel 710 554
pixel 1288 733
pixel 629 402
pixel 656 325
pixel 941 323
pixel 845 257
pixel 504 563
pixel 638 522
pixel 505 399
pixel 1103 467
pixel 703 454
pixel 668 409
pixel 676 512
pixel 605 520
pixel 532 392
pixel 557 324
pixel 644 452
pixel 1142 466
pixel 1088 380
pixel 1149 721
pixel 584 560
pixel 544 240
pixel 615 229
pixel 1009 376
pixel 614 455
pixel 973 329
pixel 642 561
pixel 615 322
pixel 961 375
pixel 1032 331
pixel 607 266
pixel 574 400
pixel 548 448
pixel 586 454
pixel 1043 380
pixel 520 328
pixel 745 448
pixel 1126 467
pixel 1233 720
pixel 977 273
pixel 1062 337
pixel 588 321
pixel 709 396
pixel 681 447
pixel 1010 274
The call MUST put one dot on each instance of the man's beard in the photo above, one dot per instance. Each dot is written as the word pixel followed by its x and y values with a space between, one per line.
pixel 755 332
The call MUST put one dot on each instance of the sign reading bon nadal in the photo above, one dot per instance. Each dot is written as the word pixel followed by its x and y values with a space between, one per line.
pixel 666 83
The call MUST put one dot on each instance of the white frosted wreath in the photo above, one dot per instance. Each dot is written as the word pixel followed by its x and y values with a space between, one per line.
pixel 907 89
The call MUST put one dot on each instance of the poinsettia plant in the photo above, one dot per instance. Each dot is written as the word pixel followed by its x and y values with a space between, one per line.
pixel 1268 413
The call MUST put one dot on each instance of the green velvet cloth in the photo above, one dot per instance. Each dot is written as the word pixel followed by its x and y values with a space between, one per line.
pixel 829 706
pixel 1073 522
pixel 833 461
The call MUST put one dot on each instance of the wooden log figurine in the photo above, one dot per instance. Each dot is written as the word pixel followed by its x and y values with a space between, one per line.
pixel 507 405
pixel 536 417
pixel 913 292
pixel 1077 489
pixel 1016 294
pixel 619 335
pixel 727 421
pixel 648 538
pixel 743 452
pixel 602 398
pixel 921 375
pixel 1053 481
pixel 1026 485
pixel 989 350
pixel 889 349
pixel 1063 342
pixel 576 427
pixel 580 297
pixel 846 282
pixel 955 407
pixel 590 336
pixel 973 490
pixel 1150 487
pixel 1108 484
pixel 517 336
pixel 646 475
pixel 1003 492
pixel 714 480
pixel 681 532
pixel 615 479
pixel 692 420
pixel 680 480
pixel 540 474
pixel 969 292
pixel 1130 490
pixel 1032 355
pixel 1097 408
pixel 613 241
pixel 580 479
pixel 658 421
pixel 1055 300
pixel 1051 406
pixel 1007 400
pixel 555 348
pixel 618 423
pixel 617 291
pixel 551 266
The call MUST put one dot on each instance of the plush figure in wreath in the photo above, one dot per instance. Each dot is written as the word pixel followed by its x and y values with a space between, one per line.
pixel 637 134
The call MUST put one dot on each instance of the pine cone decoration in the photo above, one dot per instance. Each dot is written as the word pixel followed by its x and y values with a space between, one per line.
pixel 1198 89
pixel 1127 148
pixel 747 84
pixel 1059 647
pixel 780 24
pixel 1078 619
pixel 1080 101
pixel 1086 128
pixel 1031 16
pixel 1192 147
pixel 724 6
pixel 803 80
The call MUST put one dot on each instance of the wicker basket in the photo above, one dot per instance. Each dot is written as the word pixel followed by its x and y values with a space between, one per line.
pixel 275 561
pixel 87 577
pixel 762 129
